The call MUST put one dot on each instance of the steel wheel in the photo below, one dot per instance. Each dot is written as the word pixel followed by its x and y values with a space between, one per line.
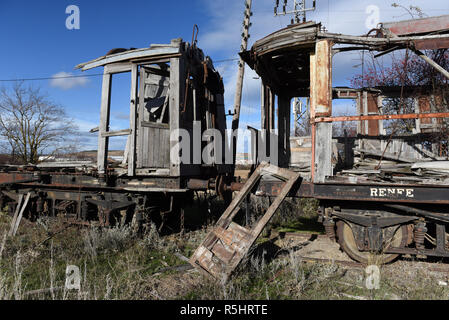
pixel 348 244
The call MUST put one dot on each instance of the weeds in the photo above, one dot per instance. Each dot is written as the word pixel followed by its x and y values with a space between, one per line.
pixel 116 264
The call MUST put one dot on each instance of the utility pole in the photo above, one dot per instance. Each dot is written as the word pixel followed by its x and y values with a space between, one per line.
pixel 241 74
pixel 299 10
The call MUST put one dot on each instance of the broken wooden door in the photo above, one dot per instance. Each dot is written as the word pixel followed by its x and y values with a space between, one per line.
pixel 154 128
pixel 228 243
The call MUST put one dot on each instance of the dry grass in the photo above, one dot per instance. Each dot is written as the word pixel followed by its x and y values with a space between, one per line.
pixel 116 264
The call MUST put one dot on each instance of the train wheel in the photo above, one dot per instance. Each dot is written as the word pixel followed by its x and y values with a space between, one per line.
pixel 348 244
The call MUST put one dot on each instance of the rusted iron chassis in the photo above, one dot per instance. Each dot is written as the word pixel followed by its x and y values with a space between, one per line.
pixel 416 207
pixel 86 198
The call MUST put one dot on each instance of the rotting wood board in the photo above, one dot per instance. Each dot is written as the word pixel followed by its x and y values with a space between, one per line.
pixel 228 243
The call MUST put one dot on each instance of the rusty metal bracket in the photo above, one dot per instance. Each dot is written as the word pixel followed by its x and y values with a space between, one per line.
pixel 226 246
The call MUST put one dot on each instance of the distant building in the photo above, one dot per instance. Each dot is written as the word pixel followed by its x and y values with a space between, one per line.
pixel 242 158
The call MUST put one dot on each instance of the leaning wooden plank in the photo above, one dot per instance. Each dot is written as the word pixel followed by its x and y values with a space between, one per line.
pixel 226 246
pixel 257 230
pixel 16 213
pixel 19 218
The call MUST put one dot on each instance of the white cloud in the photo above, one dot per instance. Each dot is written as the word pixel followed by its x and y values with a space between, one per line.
pixel 66 80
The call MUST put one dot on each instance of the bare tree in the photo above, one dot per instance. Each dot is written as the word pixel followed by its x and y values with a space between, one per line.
pixel 31 124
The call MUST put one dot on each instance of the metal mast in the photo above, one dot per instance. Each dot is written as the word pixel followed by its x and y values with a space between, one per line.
pixel 299 10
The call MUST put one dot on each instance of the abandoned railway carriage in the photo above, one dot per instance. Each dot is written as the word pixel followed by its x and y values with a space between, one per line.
pixel 173 86
pixel 396 206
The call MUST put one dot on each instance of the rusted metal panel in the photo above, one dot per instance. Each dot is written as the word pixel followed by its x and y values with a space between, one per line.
pixel 418 26
pixel 373 125
pixel 225 247
pixel 12 177
pixel 322 78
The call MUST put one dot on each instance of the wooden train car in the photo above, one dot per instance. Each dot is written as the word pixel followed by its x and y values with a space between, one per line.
pixel 175 94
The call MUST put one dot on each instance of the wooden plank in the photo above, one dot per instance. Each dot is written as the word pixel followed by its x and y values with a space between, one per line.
pixel 435 65
pixel 225 247
pixel 117 133
pixel 177 85
pixel 140 116
pixel 19 218
pixel 117 68
pixel 149 124
pixel 165 148
pixel 321 103
pixel 387 155
pixel 128 55
pixel 284 111
pixel 155 145
pixel 149 144
pixel 104 123
pixel 323 78
pixel 133 121
pixel 125 154
pixel 16 214
pixel 323 152
pixel 417 26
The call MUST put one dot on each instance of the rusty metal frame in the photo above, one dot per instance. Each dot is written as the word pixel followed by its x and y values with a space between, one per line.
pixel 228 243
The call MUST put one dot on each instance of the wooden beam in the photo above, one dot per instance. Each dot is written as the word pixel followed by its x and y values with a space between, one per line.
pixel 323 78
pixel 141 132
pixel 435 65
pixel 321 104
pixel 19 218
pixel 284 108
pixel 117 68
pixel 148 124
pixel 117 133
pixel 16 214
pixel 417 26
pixel 104 123
pixel 133 121
pixel 177 88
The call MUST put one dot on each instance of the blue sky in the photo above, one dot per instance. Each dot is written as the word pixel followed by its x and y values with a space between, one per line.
pixel 36 43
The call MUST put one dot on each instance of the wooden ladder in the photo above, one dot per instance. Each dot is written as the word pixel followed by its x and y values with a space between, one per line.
pixel 228 243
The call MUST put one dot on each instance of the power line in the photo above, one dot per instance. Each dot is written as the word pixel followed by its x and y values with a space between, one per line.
pixel 226 60
pixel 51 78
pixel 82 76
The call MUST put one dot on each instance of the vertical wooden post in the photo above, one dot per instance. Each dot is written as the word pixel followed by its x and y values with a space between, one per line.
pixel 140 134
pixel 321 105
pixel 312 112
pixel 177 91
pixel 133 121
pixel 102 153
pixel 264 105
pixel 284 130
